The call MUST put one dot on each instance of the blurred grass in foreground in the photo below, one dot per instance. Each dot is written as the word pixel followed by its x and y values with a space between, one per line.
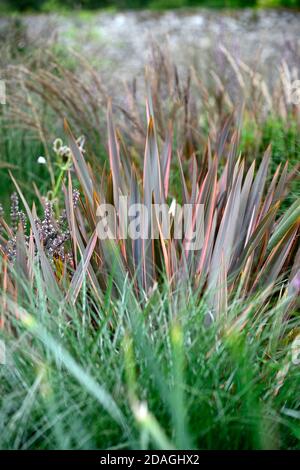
pixel 147 378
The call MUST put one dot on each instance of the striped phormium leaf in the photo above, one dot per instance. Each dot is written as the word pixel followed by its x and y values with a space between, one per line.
pixel 244 230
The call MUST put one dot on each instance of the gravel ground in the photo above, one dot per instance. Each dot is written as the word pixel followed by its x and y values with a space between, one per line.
pixel 120 43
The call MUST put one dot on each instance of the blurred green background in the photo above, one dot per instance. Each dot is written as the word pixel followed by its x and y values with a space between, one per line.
pixel 52 5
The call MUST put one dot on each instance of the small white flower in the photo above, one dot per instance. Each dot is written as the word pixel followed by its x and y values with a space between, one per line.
pixel 41 160
pixel 141 411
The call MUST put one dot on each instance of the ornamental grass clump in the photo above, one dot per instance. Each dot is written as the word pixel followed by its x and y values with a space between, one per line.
pixel 248 244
